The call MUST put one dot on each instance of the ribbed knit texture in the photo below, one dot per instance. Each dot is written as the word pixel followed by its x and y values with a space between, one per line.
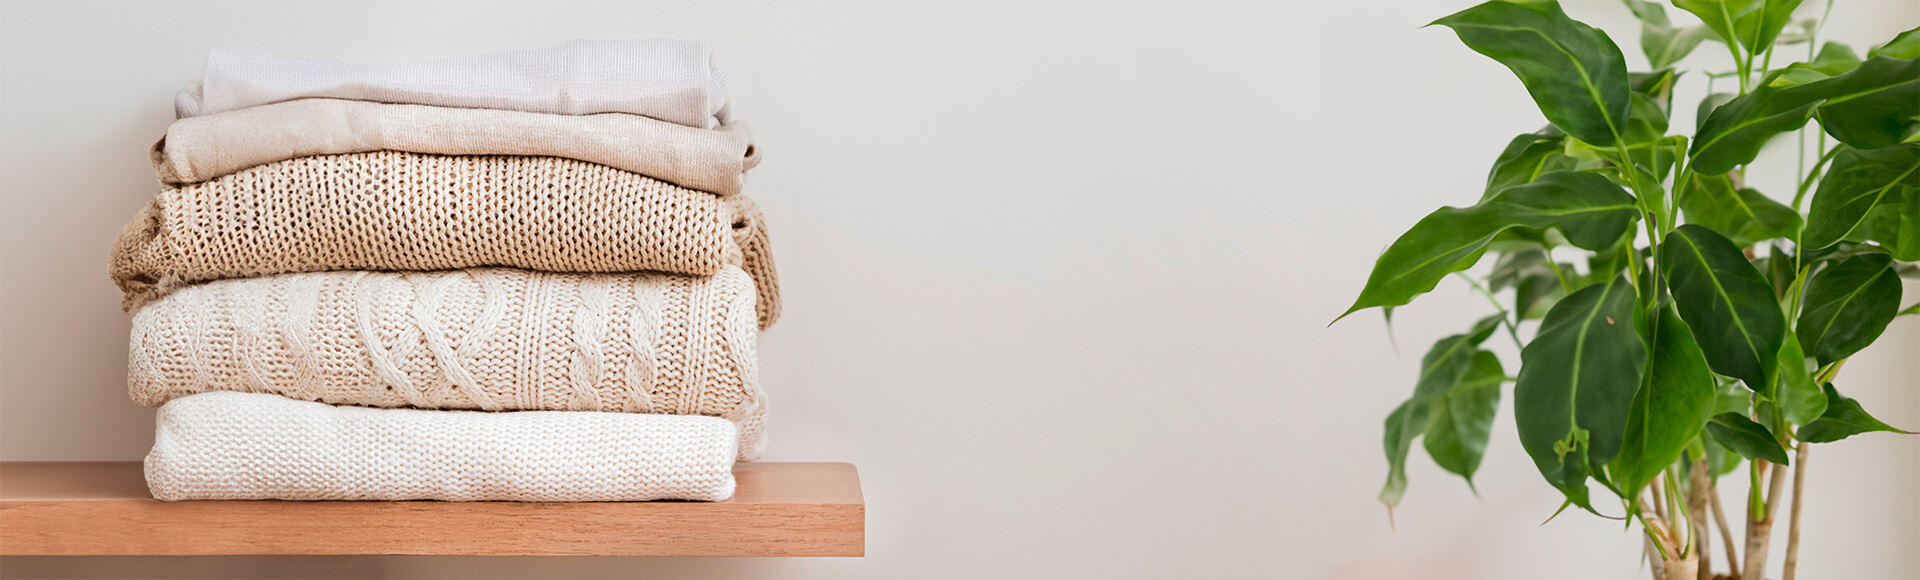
pixel 669 80
pixel 249 446
pixel 485 338
pixel 392 210
pixel 201 148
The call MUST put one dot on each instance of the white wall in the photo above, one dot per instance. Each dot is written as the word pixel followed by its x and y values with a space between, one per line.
pixel 1058 276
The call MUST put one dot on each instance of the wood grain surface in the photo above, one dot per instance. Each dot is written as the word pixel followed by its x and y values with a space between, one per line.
pixel 98 509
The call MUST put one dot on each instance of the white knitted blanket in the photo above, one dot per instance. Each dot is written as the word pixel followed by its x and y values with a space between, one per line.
pixel 669 80
pixel 486 338
pixel 251 446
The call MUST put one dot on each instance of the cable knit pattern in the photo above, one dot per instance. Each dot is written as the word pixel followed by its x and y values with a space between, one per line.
pixel 391 210
pixel 250 446
pixel 485 338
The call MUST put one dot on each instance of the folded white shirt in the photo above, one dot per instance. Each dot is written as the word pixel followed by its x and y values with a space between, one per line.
pixel 669 80
pixel 229 445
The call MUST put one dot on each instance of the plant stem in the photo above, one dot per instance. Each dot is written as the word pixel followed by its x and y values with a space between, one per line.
pixel 1513 325
pixel 1674 562
pixel 1831 372
pixel 1766 63
pixel 1659 500
pixel 1697 483
pixel 1681 179
pixel 1681 519
pixel 1793 514
pixel 1806 183
pixel 1682 568
pixel 1733 47
pixel 1760 530
pixel 1656 534
pixel 1726 533
pixel 1564 285
pixel 1799 484
pixel 1656 563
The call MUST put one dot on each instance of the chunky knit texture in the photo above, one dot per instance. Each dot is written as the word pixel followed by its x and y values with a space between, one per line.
pixel 201 148
pixel 485 338
pixel 250 446
pixel 391 210
pixel 670 80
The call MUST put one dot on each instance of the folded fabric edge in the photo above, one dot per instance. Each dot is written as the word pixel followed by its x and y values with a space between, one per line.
pixel 211 446
pixel 176 169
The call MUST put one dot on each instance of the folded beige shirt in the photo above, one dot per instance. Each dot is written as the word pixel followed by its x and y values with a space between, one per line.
pixel 667 79
pixel 395 211
pixel 197 149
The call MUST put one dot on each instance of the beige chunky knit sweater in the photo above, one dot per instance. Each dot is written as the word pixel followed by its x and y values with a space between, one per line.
pixel 484 338
pixel 390 210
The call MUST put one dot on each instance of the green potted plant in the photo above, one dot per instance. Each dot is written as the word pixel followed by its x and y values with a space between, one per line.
pixel 1701 326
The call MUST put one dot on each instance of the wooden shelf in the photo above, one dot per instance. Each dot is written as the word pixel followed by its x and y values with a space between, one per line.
pixel 100 509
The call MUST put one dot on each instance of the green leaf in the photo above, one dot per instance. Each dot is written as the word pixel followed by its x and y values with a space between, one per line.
pixel 1751 440
pixel 1576 384
pixel 1904 45
pixel 1526 158
pixel 1835 59
pixel 1462 419
pixel 1708 105
pixel 1730 397
pixel 1575 73
pixel 1905 245
pixel 1780 270
pixel 1800 398
pixel 1911 310
pixel 1441 370
pixel 1589 209
pixel 1656 85
pixel 1871 106
pixel 1855 183
pixel 1720 460
pixel 1847 306
pixel 1758 29
pixel 1606 264
pixel 1844 418
pixel 1670 408
pixel 1515 265
pixel 1646 188
pixel 1728 304
pixel 1649 13
pixel 1794 75
pixel 1397 440
pixel 1733 134
pixel 1536 295
pixel 1664 47
pixel 1535 286
pixel 1745 216
pixel 1721 16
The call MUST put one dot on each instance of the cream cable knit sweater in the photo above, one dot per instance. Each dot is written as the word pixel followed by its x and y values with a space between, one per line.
pixel 391 210
pixel 200 148
pixel 248 446
pixel 669 80
pixel 485 338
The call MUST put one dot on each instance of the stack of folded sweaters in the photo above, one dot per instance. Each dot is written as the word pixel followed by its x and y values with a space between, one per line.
pixel 519 276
